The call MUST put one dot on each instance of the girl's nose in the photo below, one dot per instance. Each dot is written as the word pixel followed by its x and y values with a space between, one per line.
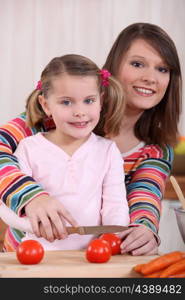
pixel 78 114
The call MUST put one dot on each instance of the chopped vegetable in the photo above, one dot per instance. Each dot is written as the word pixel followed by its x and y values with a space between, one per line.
pixel 179 275
pixel 153 275
pixel 174 269
pixel 162 262
pixel 138 268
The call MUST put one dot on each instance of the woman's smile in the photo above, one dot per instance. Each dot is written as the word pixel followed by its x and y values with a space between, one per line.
pixel 144 91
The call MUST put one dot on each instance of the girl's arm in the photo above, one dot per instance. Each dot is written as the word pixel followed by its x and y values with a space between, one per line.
pixel 16 188
pixel 12 220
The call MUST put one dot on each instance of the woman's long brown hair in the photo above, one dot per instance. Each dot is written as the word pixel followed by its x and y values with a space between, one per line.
pixel 158 125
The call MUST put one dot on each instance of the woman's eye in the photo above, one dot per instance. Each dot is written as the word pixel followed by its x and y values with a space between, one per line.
pixel 66 102
pixel 136 64
pixel 163 69
pixel 89 101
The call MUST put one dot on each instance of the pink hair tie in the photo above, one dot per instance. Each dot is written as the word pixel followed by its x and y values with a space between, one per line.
pixel 105 74
pixel 39 85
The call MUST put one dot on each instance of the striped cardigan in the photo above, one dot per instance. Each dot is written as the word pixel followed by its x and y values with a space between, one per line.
pixel 146 172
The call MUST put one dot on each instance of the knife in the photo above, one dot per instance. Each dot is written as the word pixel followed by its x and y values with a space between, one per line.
pixel 96 229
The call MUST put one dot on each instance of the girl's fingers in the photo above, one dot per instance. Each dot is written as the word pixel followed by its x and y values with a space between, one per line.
pixel 55 232
pixel 44 219
pixel 67 216
pixel 35 225
pixel 59 225
pixel 42 231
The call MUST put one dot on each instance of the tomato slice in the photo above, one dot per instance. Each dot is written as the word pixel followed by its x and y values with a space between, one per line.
pixel 98 251
pixel 114 242
pixel 30 252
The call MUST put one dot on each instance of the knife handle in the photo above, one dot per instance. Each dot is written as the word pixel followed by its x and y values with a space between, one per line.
pixel 79 230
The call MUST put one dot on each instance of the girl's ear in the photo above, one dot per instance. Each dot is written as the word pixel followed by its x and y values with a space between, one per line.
pixel 44 103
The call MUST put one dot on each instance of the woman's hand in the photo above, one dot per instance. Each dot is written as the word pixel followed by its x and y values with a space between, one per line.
pixel 138 241
pixel 44 212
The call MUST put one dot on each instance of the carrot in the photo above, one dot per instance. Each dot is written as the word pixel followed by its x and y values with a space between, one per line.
pixel 162 262
pixel 179 275
pixel 153 275
pixel 138 268
pixel 174 269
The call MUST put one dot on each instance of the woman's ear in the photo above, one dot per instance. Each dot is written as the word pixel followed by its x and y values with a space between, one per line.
pixel 44 103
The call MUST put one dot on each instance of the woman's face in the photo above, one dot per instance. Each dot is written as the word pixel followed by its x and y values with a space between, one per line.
pixel 144 76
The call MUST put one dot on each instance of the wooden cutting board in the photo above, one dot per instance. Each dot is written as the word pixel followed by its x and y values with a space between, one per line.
pixel 70 264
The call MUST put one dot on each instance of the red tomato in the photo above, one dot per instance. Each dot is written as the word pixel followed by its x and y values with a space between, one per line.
pixel 30 252
pixel 98 251
pixel 114 242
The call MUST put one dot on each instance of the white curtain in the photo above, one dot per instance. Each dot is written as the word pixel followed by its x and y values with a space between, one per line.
pixel 32 32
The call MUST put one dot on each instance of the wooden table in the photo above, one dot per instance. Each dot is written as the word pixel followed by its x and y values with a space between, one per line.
pixel 70 264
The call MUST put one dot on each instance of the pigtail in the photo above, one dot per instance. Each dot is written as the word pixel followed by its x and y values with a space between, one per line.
pixel 113 106
pixel 34 111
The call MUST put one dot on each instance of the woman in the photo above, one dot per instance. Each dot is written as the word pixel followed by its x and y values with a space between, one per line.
pixel 144 59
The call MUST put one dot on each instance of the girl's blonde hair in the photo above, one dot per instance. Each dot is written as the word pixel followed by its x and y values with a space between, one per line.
pixel 112 95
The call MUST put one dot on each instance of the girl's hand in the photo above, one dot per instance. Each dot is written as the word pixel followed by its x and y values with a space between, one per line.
pixel 47 211
pixel 138 241
pixel 56 235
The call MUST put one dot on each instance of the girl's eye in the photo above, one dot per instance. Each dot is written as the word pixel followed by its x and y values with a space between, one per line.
pixel 136 64
pixel 66 102
pixel 89 101
pixel 163 69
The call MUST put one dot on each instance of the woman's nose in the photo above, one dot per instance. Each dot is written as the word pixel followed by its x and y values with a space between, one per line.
pixel 149 77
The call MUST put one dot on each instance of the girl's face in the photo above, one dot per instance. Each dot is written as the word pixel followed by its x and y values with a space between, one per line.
pixel 144 76
pixel 74 104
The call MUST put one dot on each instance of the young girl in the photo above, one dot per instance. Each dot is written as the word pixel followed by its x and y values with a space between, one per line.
pixel 81 170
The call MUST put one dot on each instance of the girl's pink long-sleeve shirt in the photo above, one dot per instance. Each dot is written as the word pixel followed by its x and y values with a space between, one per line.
pixel 90 183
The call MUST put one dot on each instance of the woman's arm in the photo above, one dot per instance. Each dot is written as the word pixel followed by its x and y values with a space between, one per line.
pixel 147 186
pixel 16 188
pixel 145 192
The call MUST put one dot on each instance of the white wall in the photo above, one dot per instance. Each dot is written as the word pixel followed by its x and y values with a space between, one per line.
pixel 32 32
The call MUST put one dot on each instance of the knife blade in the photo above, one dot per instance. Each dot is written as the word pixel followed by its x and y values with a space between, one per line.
pixel 96 229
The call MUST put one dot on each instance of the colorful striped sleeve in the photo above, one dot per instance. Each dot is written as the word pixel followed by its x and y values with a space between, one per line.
pixel 146 187
pixel 16 189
